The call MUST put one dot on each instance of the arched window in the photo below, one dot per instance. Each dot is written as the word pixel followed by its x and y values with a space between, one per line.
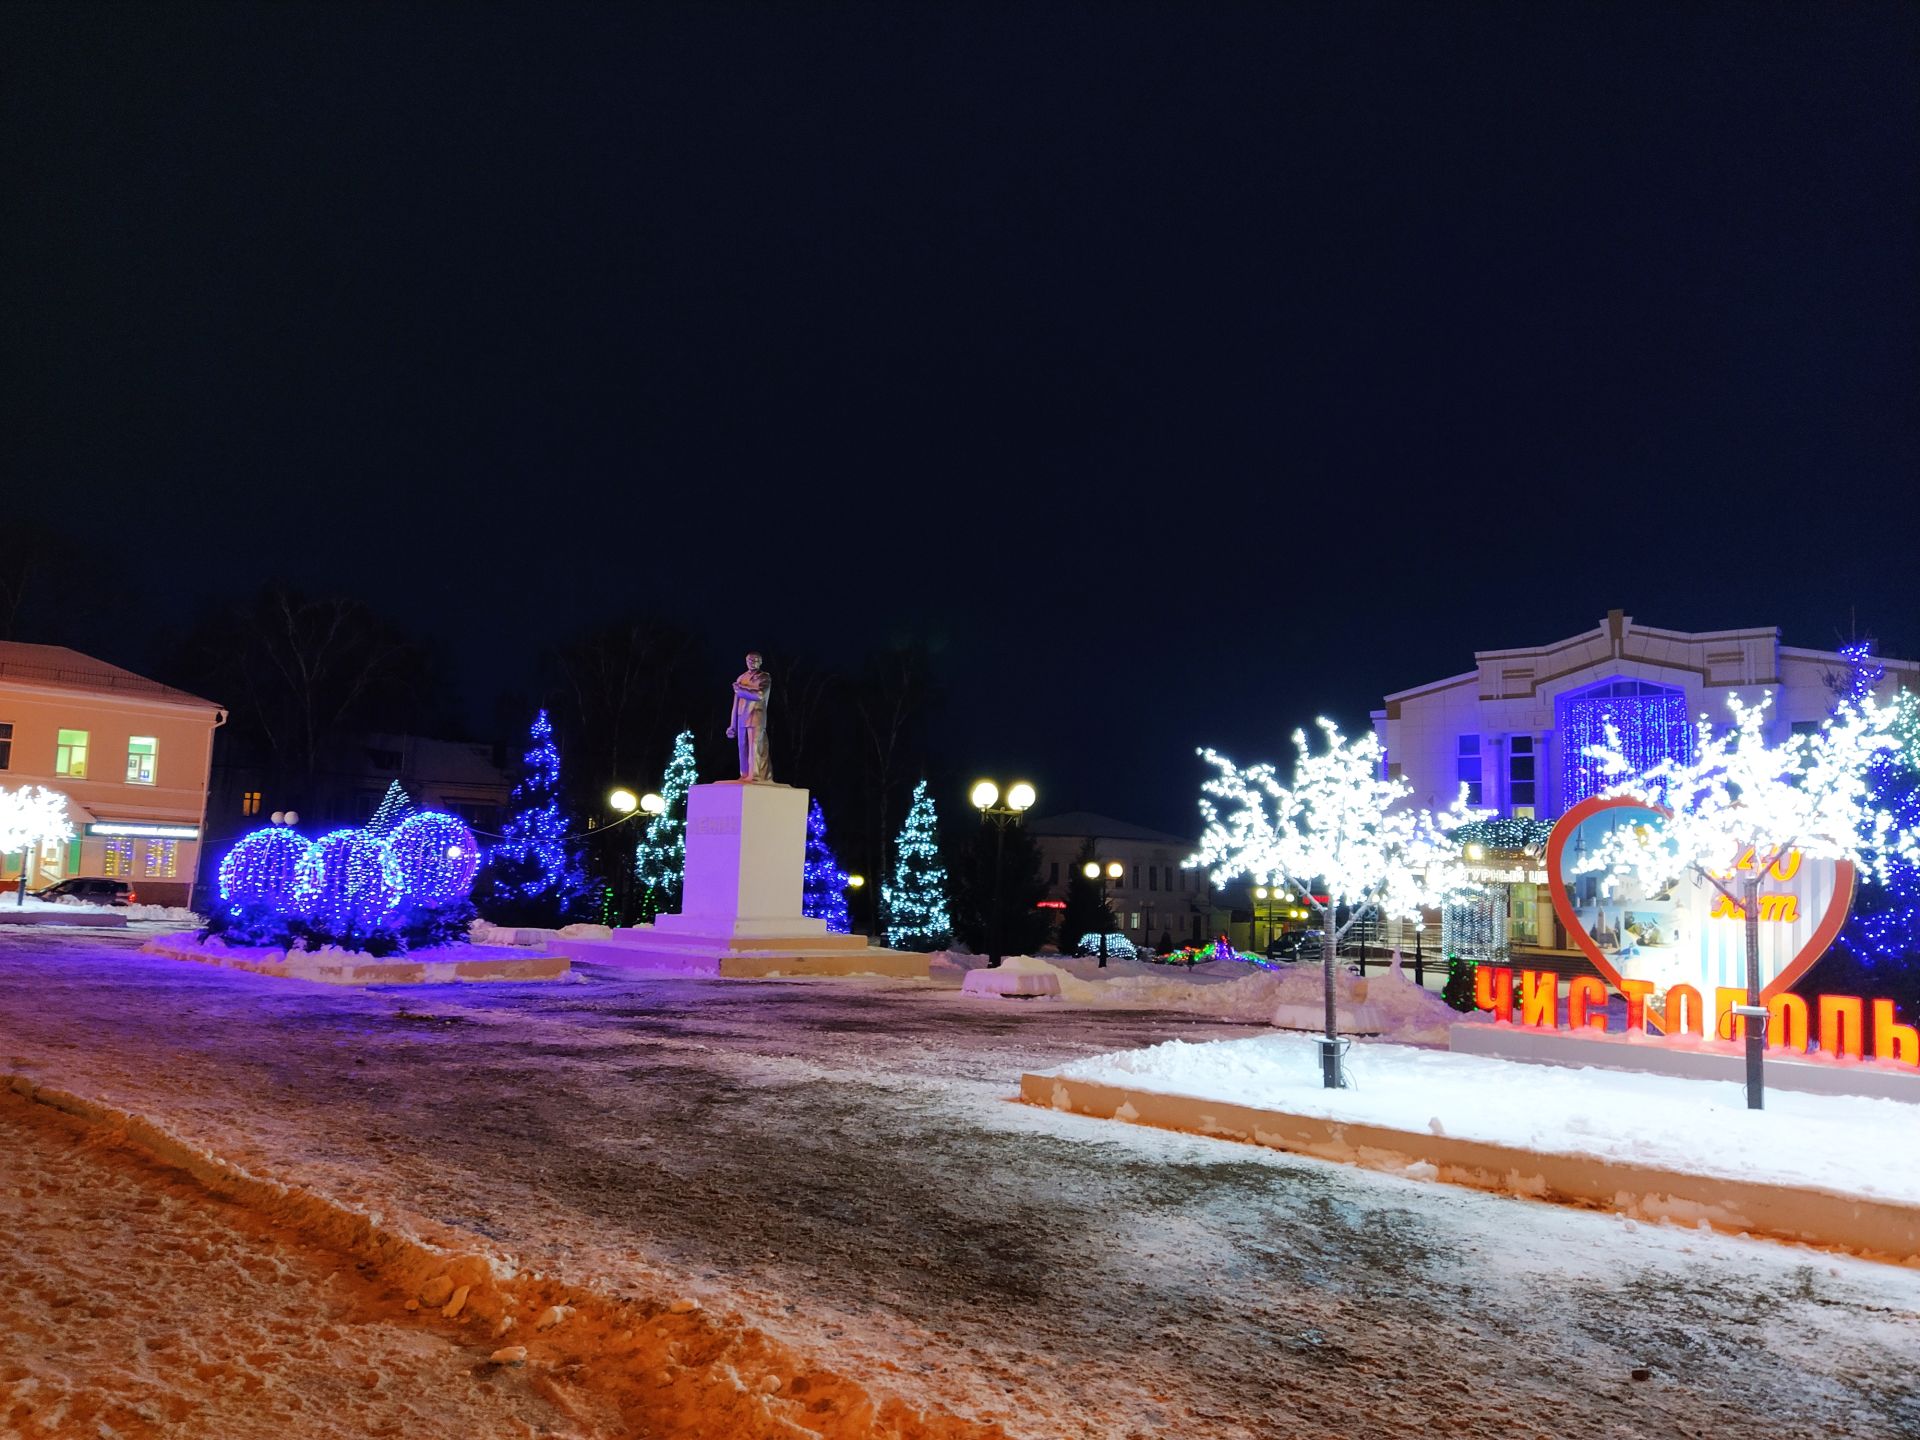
pixel 1653 724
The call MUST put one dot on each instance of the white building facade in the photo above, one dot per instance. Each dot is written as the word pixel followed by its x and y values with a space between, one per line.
pixel 1514 728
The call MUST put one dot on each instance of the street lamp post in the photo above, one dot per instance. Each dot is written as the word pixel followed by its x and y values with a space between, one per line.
pixel 986 799
pixel 1094 870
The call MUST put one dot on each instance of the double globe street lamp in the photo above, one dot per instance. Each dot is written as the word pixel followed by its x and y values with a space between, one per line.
pixel 1105 874
pixel 624 803
pixel 987 800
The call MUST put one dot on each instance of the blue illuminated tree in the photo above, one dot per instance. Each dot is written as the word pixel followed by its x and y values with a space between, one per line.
pixel 660 860
pixel 531 878
pixel 1882 932
pixel 917 916
pixel 825 896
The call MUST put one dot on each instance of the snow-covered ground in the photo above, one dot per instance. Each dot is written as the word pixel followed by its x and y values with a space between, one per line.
pixel 837 1163
pixel 1843 1143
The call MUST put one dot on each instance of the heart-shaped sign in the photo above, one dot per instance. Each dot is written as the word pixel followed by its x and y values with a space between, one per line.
pixel 1689 933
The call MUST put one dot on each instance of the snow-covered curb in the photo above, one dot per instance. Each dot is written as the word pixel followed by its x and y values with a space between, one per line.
pixel 334 966
pixel 1820 1169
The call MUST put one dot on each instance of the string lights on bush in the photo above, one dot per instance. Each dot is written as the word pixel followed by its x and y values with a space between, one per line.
pixel 348 883
pixel 263 869
pixel 437 855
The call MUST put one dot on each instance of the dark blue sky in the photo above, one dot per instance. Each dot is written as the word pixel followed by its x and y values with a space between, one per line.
pixel 1180 370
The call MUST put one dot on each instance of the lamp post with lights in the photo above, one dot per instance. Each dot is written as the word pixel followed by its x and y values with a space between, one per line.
pixel 624 803
pixel 1105 873
pixel 987 800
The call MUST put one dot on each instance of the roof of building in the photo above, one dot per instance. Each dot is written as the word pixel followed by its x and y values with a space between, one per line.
pixel 58 668
pixel 1101 827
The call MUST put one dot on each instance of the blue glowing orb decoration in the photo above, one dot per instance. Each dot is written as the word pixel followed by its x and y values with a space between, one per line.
pixel 348 882
pixel 263 868
pixel 437 856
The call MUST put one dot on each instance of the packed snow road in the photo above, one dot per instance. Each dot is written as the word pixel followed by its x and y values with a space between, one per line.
pixel 839 1163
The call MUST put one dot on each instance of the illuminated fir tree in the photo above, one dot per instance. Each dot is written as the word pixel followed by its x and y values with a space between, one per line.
pixel 660 860
pixel 917 916
pixel 825 891
pixel 530 876
pixel 1883 931
pixel 395 806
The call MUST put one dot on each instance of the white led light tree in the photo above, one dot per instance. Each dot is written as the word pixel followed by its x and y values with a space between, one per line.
pixel 1340 836
pixel 29 817
pixel 1742 805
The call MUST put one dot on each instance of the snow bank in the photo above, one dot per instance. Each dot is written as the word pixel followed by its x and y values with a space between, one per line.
pixel 1843 1144
pixel 1229 990
pixel 176 914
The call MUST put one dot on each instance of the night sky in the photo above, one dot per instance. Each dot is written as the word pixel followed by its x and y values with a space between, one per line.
pixel 1177 371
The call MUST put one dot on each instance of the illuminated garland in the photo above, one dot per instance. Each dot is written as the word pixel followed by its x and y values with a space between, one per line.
pixel 347 883
pixel 825 889
pixel 917 917
pixel 1475 929
pixel 437 856
pixel 1119 947
pixel 263 868
pixel 1505 833
pixel 1647 730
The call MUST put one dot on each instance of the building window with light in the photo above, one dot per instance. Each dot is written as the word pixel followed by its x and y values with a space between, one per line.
pixel 142 753
pixel 116 858
pixel 1520 777
pixel 1467 767
pixel 250 803
pixel 70 754
pixel 161 855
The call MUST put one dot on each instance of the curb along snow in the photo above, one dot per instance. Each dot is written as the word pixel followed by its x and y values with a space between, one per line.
pixel 1876 1229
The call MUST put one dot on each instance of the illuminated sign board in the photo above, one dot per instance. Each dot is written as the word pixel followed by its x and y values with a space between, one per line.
pixel 1690 933
pixel 1677 956
pixel 141 830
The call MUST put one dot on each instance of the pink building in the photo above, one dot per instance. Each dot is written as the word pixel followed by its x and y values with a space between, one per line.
pixel 131 755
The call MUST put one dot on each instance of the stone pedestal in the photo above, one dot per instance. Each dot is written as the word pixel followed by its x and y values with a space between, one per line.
pixel 740 902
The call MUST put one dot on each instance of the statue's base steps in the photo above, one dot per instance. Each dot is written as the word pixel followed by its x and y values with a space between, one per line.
pixel 742 957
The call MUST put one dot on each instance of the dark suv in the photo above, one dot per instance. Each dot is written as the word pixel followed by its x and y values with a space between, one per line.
pixel 90 890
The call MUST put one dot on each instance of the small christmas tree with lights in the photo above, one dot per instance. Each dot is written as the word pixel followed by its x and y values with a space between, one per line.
pixel 660 860
pixel 395 806
pixel 530 879
pixel 825 895
pixel 917 917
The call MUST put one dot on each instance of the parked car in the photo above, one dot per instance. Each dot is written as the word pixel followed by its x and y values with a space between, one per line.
pixel 90 890
pixel 1297 945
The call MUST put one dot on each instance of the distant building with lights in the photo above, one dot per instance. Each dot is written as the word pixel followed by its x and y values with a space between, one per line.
pixel 1515 728
pixel 1154 896
pixel 132 757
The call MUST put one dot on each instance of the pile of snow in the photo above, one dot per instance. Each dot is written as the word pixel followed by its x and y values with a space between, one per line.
pixel 1229 990
pixel 1829 1142
pixel 213 947
pixel 177 914
pixel 485 932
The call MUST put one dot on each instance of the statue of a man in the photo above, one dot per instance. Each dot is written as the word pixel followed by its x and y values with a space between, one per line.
pixel 749 722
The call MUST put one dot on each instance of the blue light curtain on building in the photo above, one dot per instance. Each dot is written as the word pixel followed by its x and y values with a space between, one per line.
pixel 1653 725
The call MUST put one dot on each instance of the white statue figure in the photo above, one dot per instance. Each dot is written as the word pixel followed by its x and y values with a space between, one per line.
pixel 749 723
